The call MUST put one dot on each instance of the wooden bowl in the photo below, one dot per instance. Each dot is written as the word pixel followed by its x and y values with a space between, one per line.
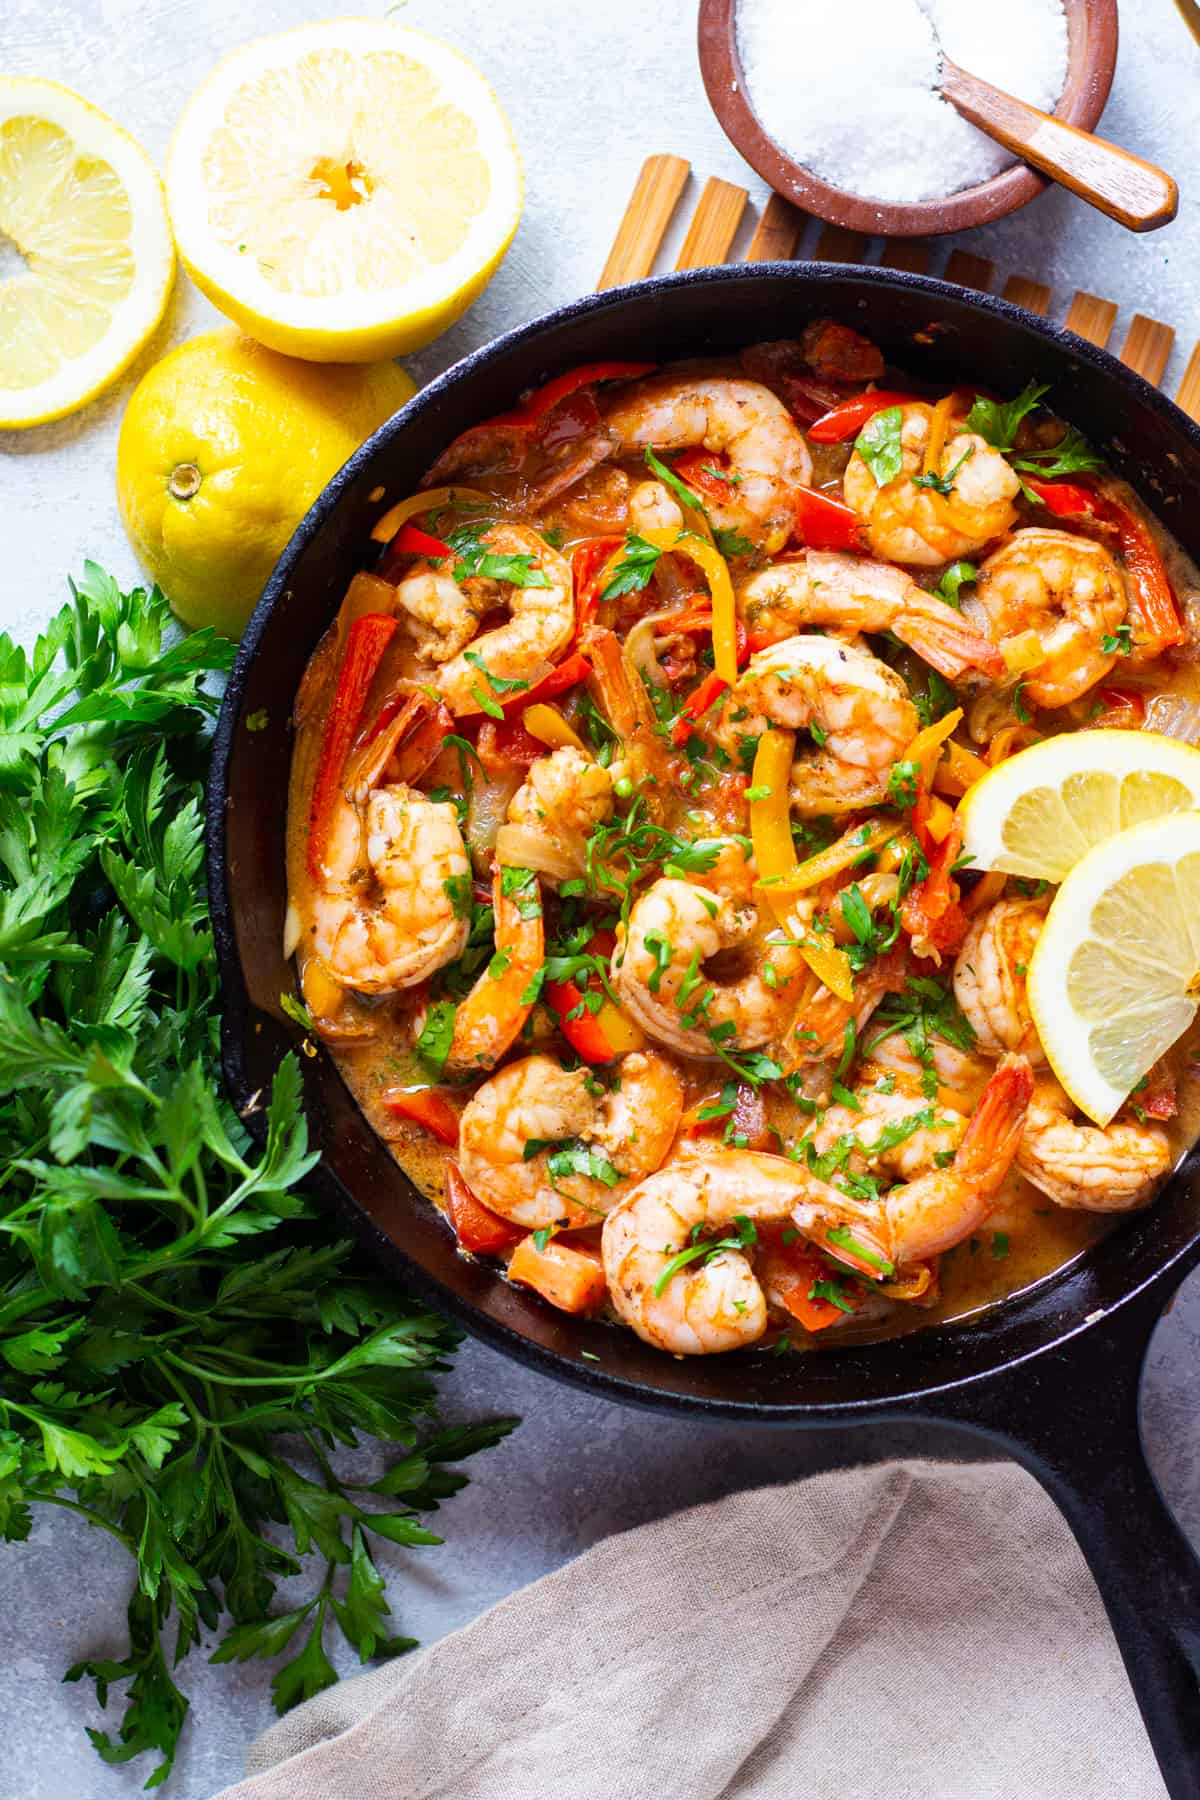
pixel 1091 58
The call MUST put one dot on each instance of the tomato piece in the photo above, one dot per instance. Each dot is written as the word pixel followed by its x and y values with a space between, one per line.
pixel 482 1232
pixel 703 472
pixel 507 741
pixel 569 1277
pixel 368 638
pixel 699 619
pixel 823 523
pixel 848 419
pixel 931 914
pixel 568 674
pixel 426 1107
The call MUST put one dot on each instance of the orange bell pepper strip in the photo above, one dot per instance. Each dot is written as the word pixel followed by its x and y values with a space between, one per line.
pixel 791 1253
pixel 477 1228
pixel 426 1107
pixel 847 420
pixel 571 1279
pixel 366 642
pixel 823 523
pixel 724 608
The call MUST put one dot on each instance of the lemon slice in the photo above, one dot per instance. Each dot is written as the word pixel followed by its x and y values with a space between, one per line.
pixel 83 206
pixel 1115 977
pixel 344 190
pixel 1044 808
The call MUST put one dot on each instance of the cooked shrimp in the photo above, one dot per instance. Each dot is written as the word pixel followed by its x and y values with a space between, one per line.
pixel 960 1075
pixel 768 457
pixel 486 1023
pixel 394 904
pixel 631 1128
pixel 660 971
pixel 989 977
pixel 1067 589
pixel 817 1031
pixel 919 525
pixel 852 593
pixel 714 1302
pixel 1092 1168
pixel 653 507
pixel 898 1131
pixel 924 1217
pixel 856 706
pixel 443 614
pixel 540 622
pixel 564 796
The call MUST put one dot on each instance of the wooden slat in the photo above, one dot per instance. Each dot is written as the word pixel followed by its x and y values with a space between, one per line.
pixel 777 232
pixel 907 253
pixel 644 226
pixel 1032 295
pixel 1092 318
pixel 1147 347
pixel 970 271
pixel 1188 396
pixel 836 244
pixel 714 225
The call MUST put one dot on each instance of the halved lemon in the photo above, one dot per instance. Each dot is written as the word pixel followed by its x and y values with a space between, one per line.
pixel 1115 977
pixel 1044 808
pixel 83 206
pixel 344 190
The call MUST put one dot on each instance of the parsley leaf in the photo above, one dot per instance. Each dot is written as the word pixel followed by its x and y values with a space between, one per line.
pixel 953 580
pixel 635 569
pixel 180 1327
pixel 998 421
pixel 474 559
pixel 880 446
pixel 703 1250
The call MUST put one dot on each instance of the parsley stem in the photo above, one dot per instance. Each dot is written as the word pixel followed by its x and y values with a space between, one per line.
pixel 85 1512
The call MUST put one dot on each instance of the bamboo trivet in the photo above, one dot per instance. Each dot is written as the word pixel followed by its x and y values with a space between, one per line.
pixel 718 215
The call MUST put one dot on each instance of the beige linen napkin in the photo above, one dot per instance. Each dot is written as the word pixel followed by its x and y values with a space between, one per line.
pixel 917 1629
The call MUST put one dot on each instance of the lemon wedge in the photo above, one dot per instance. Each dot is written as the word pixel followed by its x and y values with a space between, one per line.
pixel 344 190
pixel 1044 808
pixel 1115 977
pixel 83 206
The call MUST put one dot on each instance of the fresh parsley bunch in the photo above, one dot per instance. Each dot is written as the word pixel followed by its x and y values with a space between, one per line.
pixel 170 1303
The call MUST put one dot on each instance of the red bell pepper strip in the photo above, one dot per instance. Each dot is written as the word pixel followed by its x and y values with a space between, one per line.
pixel 424 1106
pixel 823 523
pixel 543 400
pixel 568 674
pixel 931 914
pixel 847 420
pixel 696 705
pixel 479 1230
pixel 699 619
pixel 584 1033
pixel 1065 499
pixel 410 540
pixel 366 642
pixel 588 561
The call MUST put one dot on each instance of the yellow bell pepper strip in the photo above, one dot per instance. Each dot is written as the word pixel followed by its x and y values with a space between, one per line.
pixel 835 858
pixel 931 739
pixel 958 770
pixel 548 726
pixel 938 819
pixel 775 854
pixel 939 426
pixel 711 563
pixel 386 527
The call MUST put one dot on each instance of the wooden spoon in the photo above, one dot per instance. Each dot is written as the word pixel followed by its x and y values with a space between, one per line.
pixel 1133 192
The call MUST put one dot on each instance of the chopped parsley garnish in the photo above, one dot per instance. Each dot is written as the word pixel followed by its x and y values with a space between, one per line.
pixel 657 467
pixel 731 543
pixel 935 701
pixel 833 1292
pixel 879 444
pixel 843 1238
pixel 474 559
pixel 703 1250
pixel 521 886
pixel 957 576
pixel 458 890
pixel 903 784
pixel 944 484
pixel 997 422
pixel 1118 642
pixel 437 1034
pixel 635 569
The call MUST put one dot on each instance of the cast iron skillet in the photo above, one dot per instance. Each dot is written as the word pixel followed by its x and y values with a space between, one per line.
pixel 1051 1377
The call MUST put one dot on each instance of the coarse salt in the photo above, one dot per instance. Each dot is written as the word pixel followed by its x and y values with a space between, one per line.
pixel 850 90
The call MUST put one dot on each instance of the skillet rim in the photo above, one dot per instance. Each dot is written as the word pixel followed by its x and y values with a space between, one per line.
pixel 1155 1283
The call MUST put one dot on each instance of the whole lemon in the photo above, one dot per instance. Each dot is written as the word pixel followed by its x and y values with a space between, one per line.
pixel 223 448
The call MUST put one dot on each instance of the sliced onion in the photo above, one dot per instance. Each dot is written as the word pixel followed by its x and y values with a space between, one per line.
pixel 485 814
pixel 639 648
pixel 1174 717
pixel 527 847
pixel 291 929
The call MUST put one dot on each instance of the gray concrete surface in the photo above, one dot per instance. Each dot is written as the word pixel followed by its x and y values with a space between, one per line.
pixel 591 89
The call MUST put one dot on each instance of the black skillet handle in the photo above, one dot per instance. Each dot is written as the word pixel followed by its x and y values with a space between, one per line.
pixel 1071 1417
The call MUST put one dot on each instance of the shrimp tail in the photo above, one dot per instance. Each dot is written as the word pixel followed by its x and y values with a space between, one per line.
pixel 943 638
pixel 991 1139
